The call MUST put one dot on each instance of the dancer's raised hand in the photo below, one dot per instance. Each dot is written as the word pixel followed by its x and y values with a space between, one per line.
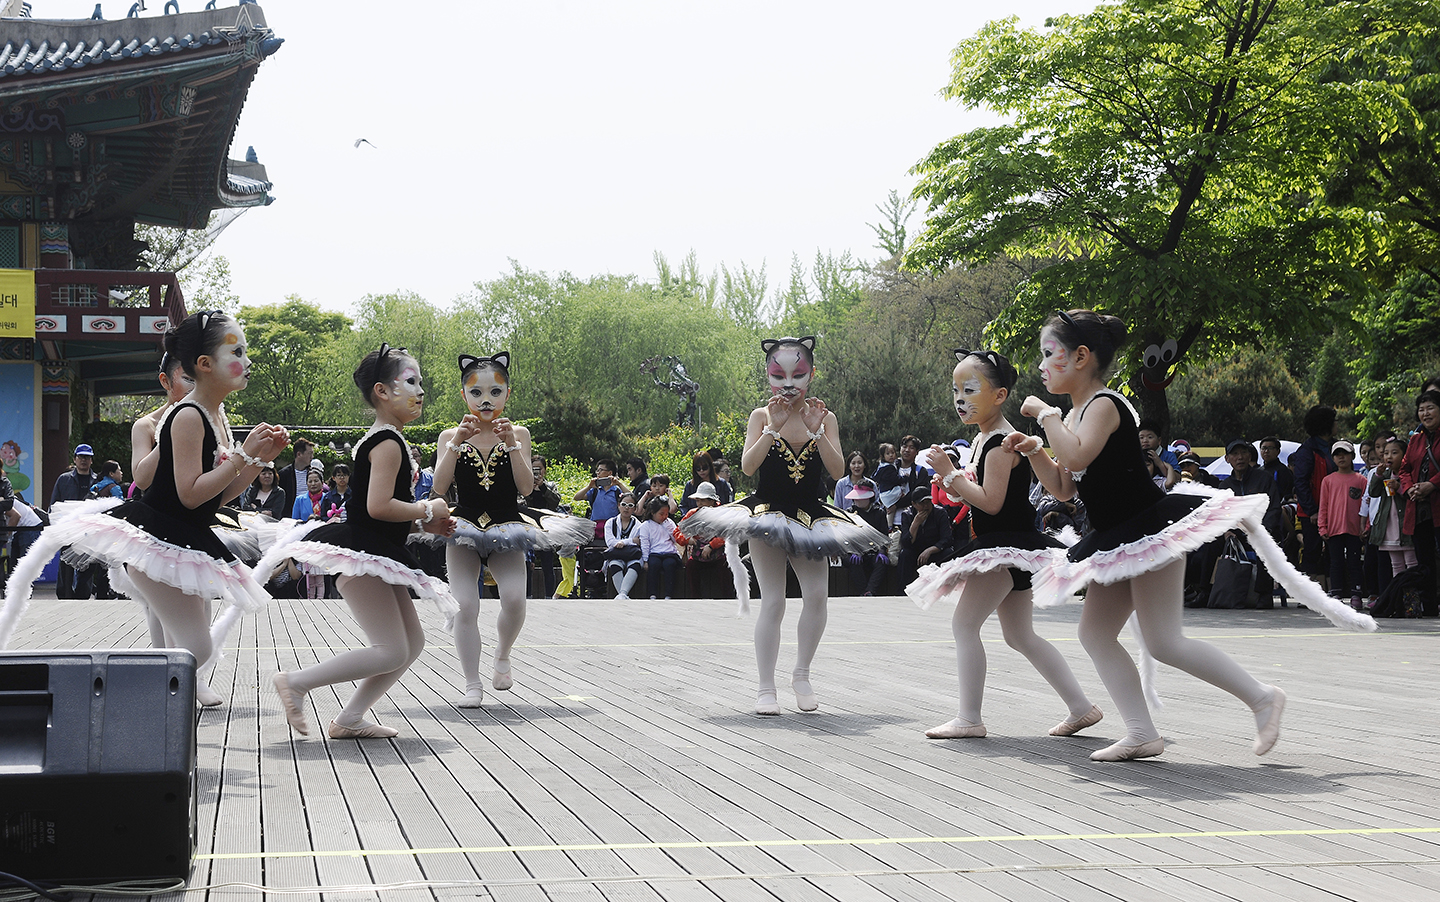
pixel 777 413
pixel 813 414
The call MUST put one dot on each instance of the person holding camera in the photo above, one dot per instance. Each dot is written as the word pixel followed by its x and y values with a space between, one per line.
pixel 603 492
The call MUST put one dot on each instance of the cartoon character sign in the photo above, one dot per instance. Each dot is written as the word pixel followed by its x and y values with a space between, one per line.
pixel 12 457
pixel 1157 369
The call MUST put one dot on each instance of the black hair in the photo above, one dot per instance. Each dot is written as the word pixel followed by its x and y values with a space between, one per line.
pixel 1272 438
pixel 379 366
pixel 1432 396
pixel 653 507
pixel 660 477
pixel 806 346
pixel 197 336
pixel 499 362
pixel 863 459
pixel 910 440
pixel 1396 440
pixel 1101 333
pixel 638 464
pixel 1426 385
pixel 607 463
pixel 1319 420
pixel 996 367
pixel 1148 425
pixel 169 363
pixel 630 495
pixel 109 466
pixel 302 445
pixel 340 470
pixel 716 455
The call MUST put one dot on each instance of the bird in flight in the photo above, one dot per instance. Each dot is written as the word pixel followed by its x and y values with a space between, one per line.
pixel 359 141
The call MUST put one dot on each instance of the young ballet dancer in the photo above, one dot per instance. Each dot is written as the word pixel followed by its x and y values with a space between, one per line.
pixel 994 573
pixel 788 443
pixel 367 552
pixel 487 457
pixel 164 540
pixel 1135 558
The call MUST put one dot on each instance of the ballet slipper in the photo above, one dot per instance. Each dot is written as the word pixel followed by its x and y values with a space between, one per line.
pixel 291 700
pixel 1127 751
pixel 1072 725
pixel 473 697
pixel 766 703
pixel 362 730
pixel 957 729
pixel 501 678
pixel 207 697
pixel 1267 721
pixel 805 698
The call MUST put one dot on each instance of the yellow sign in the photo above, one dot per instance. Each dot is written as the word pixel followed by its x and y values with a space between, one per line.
pixel 17 303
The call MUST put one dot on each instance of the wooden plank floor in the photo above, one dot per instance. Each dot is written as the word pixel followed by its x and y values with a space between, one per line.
pixel 625 764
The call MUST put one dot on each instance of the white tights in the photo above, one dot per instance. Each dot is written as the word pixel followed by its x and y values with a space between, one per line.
pixel 814 576
pixel 387 617
pixel 985 593
pixel 1156 598
pixel 178 620
pixel 463 567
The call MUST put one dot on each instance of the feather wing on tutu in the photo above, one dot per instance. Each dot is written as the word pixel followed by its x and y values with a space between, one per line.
pixel 824 537
pixel 117 543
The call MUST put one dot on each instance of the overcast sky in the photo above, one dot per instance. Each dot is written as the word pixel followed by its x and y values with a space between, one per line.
pixel 579 136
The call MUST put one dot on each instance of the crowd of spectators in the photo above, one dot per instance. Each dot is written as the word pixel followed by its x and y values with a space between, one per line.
pixel 1354 516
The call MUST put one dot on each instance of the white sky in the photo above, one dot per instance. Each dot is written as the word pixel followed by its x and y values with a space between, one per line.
pixel 579 136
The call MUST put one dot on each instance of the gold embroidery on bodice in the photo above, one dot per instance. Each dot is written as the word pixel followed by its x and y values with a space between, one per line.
pixel 795 463
pixel 484 464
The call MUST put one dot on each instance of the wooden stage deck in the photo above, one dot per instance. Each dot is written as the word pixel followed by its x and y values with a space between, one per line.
pixel 626 765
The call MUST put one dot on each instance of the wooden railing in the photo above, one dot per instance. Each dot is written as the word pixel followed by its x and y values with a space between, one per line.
pixel 98 304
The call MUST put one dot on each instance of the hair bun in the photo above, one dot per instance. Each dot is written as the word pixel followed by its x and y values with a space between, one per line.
pixel 1114 329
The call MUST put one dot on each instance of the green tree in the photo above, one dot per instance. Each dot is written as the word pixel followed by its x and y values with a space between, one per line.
pixel 1404 337
pixel 1243 393
pixel 1160 150
pixel 291 370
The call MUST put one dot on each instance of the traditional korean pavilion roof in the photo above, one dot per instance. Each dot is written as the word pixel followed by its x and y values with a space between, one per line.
pixel 129 119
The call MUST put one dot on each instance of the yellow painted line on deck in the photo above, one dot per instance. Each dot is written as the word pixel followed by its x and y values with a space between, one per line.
pixel 783 843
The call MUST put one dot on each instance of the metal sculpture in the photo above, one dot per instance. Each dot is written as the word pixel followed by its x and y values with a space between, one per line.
pixel 676 379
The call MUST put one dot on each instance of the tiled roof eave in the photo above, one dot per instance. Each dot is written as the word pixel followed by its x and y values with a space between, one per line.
pixel 107 76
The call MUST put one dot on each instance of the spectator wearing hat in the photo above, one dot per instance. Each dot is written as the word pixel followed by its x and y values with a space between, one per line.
pixel 867 571
pixel 706 573
pixel 1191 470
pixel 925 535
pixel 1247 478
pixel 74 485
pixel 1338 521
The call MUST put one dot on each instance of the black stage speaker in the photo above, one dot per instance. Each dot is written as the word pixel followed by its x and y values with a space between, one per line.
pixel 97 765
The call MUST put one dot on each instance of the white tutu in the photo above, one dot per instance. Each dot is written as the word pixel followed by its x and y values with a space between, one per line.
pixel 945 581
pixel 822 537
pixel 340 561
pixel 551 532
pixel 116 543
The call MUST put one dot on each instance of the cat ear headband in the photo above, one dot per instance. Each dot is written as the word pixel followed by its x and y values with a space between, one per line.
pixel 469 362
pixel 808 343
pixel 994 358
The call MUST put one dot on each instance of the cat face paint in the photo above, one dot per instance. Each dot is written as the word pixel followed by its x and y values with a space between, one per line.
pixel 789 373
pixel 408 391
pixel 231 359
pixel 974 395
pixel 1054 361
pixel 486 390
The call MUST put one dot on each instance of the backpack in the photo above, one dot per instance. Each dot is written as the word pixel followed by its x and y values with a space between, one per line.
pixel 1404 597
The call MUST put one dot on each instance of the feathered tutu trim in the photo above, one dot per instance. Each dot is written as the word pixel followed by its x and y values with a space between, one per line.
pixel 945 581
pixel 334 559
pixel 824 537
pixel 537 531
pixel 117 543
pixel 1211 514
pixel 1221 511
